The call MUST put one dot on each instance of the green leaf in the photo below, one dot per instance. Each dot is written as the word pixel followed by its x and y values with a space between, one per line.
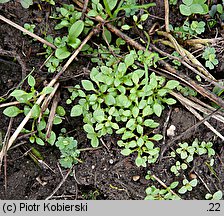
pixel 35 111
pixel 135 78
pixel 182 190
pixel 62 53
pixel 51 140
pixel 88 128
pixel 185 10
pixel 76 110
pixel 129 59
pixel 193 182
pixel 92 13
pixel 126 152
pixel 110 100
pixel 107 35
pixel 99 115
pixel 127 135
pixel 170 101
pixel 147 111
pixel 123 101
pixel 188 2
pixel 140 162
pixel 157 109
pixel 130 123
pixel 39 141
pixel 60 111
pixel 18 93
pixel 150 123
pixel 135 111
pixel 197 9
pixel 174 184
pixel 94 142
pixel 172 84
pixel 31 81
pixel 26 3
pixel 125 27
pixel 88 85
pixel 217 195
pixel 57 120
pixel 74 42
pixel 12 111
pixel 76 29
pixel 157 137
pixel 47 90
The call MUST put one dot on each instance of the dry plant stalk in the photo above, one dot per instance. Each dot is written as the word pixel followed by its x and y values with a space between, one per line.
pixel 26 31
pixel 41 98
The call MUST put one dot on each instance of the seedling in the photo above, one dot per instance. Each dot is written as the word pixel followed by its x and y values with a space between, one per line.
pixel 154 193
pixel 216 196
pixel 29 27
pixel 27 102
pixel 117 101
pixel 217 10
pixel 190 7
pixel 177 167
pixel 188 186
pixel 210 57
pixel 69 151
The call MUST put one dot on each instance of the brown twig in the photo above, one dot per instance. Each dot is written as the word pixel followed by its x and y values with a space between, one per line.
pixel 166 4
pixel 84 8
pixel 60 184
pixel 163 184
pixel 168 67
pixel 18 58
pixel 52 114
pixel 41 98
pixel 26 31
pixel 171 142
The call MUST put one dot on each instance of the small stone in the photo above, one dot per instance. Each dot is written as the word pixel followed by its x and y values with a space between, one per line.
pixel 93 167
pixel 136 178
pixel 111 161
pixel 192 176
pixel 171 131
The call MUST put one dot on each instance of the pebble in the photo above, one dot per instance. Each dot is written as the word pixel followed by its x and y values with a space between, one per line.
pixel 171 131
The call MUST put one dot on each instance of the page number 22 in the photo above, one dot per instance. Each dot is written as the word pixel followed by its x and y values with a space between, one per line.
pixel 214 207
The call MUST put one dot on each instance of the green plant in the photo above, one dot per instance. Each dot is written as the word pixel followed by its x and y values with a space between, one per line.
pixel 203 148
pixel 177 167
pixel 185 151
pixel 198 27
pixel 27 102
pixel 52 2
pixel 29 27
pixel 121 99
pixel 189 30
pixel 187 91
pixel 25 3
pixel 216 196
pixel 138 22
pixel 176 62
pixel 188 186
pixel 69 151
pixel 210 57
pixel 217 9
pixel 173 2
pixel 153 193
pixel 112 8
pixel 190 7
pixel 69 19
